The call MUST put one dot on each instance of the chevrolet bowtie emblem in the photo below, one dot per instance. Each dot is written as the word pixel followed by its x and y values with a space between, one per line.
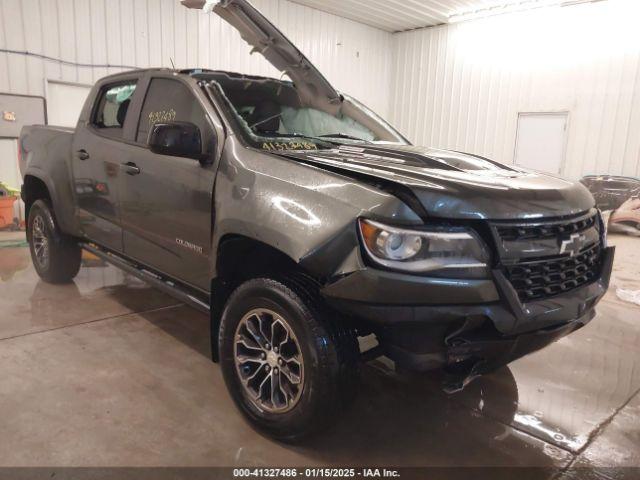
pixel 573 244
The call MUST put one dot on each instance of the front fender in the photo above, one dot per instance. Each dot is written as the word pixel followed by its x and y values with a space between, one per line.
pixel 305 212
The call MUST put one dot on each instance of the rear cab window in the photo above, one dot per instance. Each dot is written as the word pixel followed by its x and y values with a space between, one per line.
pixel 112 108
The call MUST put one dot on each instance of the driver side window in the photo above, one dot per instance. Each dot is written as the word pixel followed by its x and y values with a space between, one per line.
pixel 171 101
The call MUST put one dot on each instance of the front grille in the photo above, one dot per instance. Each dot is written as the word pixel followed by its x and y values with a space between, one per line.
pixel 536 259
pixel 546 277
pixel 544 230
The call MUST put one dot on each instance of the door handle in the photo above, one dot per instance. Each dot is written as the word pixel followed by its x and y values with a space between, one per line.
pixel 82 154
pixel 130 168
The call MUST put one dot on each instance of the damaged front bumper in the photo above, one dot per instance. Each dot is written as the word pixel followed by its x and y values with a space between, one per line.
pixel 468 327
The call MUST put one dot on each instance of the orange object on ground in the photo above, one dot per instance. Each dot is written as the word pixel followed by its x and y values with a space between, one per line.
pixel 6 211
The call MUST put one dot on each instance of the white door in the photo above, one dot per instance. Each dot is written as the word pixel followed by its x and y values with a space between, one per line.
pixel 10 171
pixel 64 102
pixel 541 141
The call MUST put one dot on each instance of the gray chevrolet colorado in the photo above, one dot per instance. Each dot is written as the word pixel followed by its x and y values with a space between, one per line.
pixel 299 221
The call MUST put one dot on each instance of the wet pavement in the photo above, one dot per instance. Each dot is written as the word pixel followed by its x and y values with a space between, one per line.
pixel 107 371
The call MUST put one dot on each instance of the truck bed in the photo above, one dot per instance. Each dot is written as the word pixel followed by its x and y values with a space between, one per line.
pixel 45 156
pixel 36 142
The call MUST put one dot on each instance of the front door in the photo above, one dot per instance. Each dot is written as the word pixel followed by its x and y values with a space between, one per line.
pixel 97 152
pixel 167 201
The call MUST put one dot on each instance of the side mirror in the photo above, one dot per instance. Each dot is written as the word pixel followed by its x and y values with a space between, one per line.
pixel 179 139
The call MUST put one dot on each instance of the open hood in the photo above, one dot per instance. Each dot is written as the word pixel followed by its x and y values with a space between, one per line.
pixel 265 38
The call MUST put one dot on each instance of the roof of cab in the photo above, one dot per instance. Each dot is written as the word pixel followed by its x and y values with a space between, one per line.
pixel 188 72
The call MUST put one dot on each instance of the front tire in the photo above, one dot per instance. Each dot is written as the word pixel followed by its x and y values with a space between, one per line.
pixel 56 256
pixel 290 368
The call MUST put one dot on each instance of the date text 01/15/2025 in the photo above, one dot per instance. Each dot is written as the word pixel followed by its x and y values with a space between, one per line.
pixel 315 473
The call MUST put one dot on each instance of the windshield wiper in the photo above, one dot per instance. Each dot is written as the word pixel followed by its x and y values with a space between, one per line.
pixel 343 135
pixel 285 135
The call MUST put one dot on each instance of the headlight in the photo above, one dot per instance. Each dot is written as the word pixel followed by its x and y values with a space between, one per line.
pixel 454 252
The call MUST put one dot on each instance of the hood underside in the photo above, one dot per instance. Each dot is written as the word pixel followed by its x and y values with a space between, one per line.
pixel 455 185
pixel 269 41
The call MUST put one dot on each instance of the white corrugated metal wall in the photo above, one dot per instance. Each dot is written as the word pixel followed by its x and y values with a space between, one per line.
pixel 461 86
pixel 143 33
pixel 457 86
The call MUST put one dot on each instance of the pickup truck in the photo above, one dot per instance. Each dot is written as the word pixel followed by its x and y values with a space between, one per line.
pixel 300 221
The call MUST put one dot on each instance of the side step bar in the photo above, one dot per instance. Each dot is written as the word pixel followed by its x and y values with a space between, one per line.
pixel 157 281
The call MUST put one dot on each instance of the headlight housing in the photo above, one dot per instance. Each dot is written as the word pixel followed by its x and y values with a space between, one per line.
pixel 452 252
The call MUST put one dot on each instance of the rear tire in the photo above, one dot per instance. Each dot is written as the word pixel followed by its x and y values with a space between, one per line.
pixel 56 256
pixel 278 333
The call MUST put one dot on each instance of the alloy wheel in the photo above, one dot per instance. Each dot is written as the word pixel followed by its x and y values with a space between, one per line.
pixel 269 361
pixel 40 242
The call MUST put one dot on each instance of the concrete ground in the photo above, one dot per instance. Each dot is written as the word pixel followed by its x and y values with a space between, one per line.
pixel 109 372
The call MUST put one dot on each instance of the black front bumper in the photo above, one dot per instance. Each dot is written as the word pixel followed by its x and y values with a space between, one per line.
pixel 480 325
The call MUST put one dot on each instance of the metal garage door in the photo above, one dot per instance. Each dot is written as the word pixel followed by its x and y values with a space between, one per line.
pixel 64 102
pixel 16 111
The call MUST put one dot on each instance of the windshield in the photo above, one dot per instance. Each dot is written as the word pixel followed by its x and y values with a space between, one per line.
pixel 270 115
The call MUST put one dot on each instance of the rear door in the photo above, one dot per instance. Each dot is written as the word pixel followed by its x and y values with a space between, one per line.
pixel 98 149
pixel 167 201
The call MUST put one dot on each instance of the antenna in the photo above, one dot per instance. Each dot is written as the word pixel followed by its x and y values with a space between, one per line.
pixel 172 64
